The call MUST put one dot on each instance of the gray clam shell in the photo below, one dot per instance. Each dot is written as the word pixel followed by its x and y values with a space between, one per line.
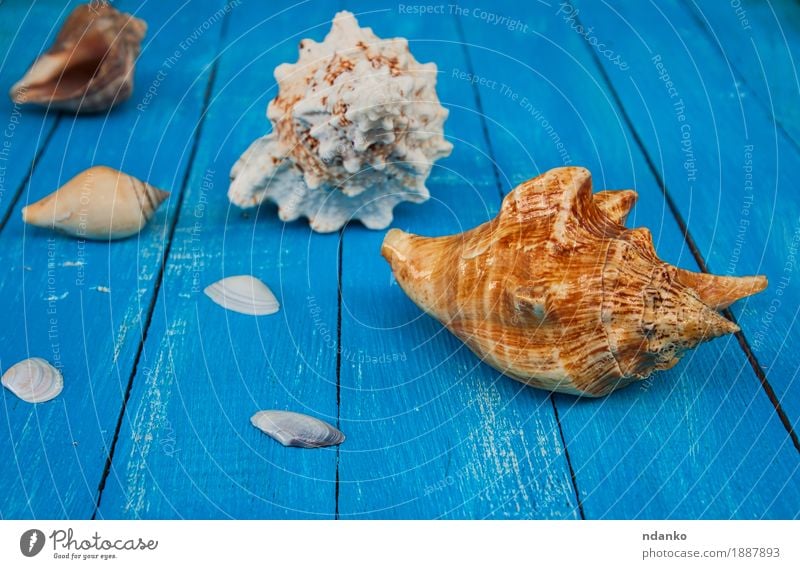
pixel 33 380
pixel 297 430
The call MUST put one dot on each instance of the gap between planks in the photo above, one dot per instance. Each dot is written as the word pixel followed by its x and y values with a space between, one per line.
pixel 702 22
pixel 340 255
pixel 26 179
pixel 744 344
pixel 698 257
pixel 496 173
pixel 164 257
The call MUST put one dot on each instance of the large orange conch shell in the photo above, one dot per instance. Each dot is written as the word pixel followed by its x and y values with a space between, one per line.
pixel 557 293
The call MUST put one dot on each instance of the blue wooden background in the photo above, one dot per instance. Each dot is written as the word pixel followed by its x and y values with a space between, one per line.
pixel 160 383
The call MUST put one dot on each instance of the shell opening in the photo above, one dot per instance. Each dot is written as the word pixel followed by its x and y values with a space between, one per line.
pixel 63 75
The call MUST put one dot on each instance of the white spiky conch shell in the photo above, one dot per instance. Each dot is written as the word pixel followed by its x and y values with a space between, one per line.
pixel 98 203
pixel 33 380
pixel 244 294
pixel 557 293
pixel 90 66
pixel 356 127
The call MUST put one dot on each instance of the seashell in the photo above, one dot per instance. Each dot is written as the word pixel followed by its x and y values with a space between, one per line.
pixel 297 430
pixel 356 127
pixel 89 68
pixel 33 380
pixel 555 292
pixel 244 294
pixel 98 203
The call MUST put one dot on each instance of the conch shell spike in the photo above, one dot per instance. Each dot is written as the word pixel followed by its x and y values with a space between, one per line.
pixel 616 204
pixel 720 292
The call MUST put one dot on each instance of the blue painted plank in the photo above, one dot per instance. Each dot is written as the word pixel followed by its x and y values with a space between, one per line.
pixel 729 170
pixel 26 29
pixel 761 43
pixel 693 443
pixel 81 304
pixel 186 447
pixel 433 433
pixel 701 440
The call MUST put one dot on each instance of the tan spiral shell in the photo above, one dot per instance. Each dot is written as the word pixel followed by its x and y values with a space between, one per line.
pixel 98 203
pixel 557 293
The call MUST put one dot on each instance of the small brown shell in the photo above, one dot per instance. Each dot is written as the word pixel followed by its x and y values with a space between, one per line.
pixel 89 68
pixel 557 293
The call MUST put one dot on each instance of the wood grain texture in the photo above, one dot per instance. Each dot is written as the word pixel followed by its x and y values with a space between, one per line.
pixel 81 305
pixel 760 41
pixel 433 432
pixel 690 442
pixel 187 448
pixel 728 169
pixel 25 31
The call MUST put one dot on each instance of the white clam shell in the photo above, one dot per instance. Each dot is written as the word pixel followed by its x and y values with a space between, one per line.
pixel 244 294
pixel 297 430
pixel 356 128
pixel 33 380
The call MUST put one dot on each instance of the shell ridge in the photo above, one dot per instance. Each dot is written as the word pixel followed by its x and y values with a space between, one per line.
pixel 616 204
pixel 606 305
pixel 296 429
pixel 138 191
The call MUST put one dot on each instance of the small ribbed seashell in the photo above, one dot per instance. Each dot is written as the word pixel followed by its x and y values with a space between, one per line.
pixel 89 68
pixel 98 203
pixel 557 293
pixel 244 294
pixel 33 380
pixel 297 430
